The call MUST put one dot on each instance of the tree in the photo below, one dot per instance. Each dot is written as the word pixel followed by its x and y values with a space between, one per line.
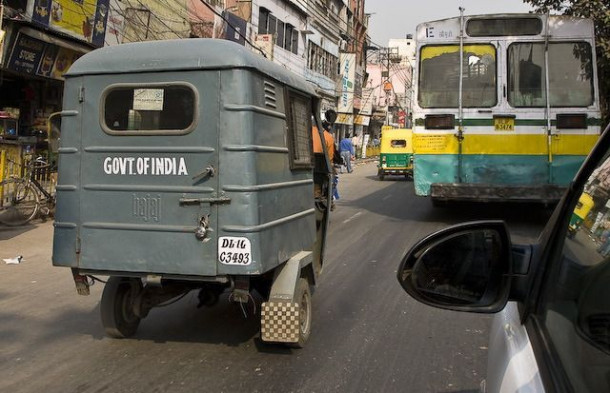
pixel 599 12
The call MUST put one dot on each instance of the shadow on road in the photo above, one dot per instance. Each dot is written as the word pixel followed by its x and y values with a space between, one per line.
pixel 414 208
pixel 7 233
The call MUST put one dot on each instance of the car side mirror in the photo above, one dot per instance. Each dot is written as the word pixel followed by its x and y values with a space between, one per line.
pixel 466 267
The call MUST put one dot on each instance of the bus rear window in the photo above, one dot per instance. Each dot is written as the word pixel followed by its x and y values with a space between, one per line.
pixel 494 27
pixel 399 143
pixel 570 74
pixel 149 109
pixel 439 76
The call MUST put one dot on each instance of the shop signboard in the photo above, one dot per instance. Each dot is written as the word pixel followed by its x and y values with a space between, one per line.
pixel 32 56
pixel 265 42
pixel 26 54
pixel 348 76
pixel 345 118
pixel 82 19
pixel 114 24
pixel 362 120
pixel 235 28
pixel 402 118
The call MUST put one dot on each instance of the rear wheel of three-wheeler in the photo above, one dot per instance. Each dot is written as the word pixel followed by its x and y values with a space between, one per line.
pixel 303 298
pixel 118 317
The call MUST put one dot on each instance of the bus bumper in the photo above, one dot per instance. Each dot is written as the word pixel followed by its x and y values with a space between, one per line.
pixel 445 192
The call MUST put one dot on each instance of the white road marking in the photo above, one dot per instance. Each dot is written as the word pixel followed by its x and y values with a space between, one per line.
pixel 386 197
pixel 352 217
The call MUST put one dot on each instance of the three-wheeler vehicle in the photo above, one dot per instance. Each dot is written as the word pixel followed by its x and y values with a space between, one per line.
pixel 582 209
pixel 188 165
pixel 396 153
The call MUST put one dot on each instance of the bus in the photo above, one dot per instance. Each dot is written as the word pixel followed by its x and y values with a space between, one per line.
pixel 507 106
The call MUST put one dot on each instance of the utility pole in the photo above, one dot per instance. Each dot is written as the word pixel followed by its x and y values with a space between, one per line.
pixel 388 56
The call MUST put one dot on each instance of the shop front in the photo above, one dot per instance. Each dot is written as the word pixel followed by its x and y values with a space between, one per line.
pixel 31 88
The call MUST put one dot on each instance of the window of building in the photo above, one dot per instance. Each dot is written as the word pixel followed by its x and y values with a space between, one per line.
pixel 149 109
pixel 295 41
pixel 280 34
pixel 286 36
pixel 291 39
pixel 321 61
pixel 272 25
pixel 263 20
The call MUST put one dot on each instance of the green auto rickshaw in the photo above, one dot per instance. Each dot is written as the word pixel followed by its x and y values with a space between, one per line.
pixel 396 153
pixel 582 209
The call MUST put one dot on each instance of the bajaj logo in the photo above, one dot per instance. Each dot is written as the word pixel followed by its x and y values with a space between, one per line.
pixel 147 207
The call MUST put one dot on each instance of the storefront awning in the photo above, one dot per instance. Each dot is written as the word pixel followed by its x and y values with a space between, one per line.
pixel 42 36
pixel 38 53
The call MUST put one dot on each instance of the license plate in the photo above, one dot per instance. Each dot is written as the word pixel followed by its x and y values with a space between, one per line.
pixel 504 123
pixel 234 251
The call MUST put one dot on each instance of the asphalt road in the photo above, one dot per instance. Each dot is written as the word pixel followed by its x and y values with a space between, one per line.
pixel 368 335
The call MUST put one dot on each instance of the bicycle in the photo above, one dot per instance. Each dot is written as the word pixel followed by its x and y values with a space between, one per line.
pixel 27 197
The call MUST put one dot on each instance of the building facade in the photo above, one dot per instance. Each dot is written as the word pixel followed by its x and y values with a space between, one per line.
pixel 390 73
pixel 40 40
pixel 321 40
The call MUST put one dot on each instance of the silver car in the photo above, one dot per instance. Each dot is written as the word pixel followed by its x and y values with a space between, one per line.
pixel 551 331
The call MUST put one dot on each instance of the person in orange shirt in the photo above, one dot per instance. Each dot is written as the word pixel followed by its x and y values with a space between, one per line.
pixel 329 141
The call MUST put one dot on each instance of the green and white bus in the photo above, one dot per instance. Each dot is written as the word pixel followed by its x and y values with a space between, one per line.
pixel 507 106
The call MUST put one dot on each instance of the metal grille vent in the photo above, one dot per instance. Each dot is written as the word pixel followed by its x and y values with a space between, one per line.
pixel 270 95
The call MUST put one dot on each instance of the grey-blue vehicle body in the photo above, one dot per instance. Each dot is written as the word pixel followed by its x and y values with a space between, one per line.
pixel 115 219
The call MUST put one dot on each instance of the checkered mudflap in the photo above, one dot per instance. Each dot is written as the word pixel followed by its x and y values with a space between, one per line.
pixel 280 322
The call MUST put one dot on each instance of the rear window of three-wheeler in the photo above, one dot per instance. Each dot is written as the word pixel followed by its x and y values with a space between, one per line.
pixel 149 109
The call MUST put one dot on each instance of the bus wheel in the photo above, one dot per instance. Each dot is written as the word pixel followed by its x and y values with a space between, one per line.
pixel 117 306
pixel 303 298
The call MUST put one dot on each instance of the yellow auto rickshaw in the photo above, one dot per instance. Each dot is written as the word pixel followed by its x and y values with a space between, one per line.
pixel 582 209
pixel 396 153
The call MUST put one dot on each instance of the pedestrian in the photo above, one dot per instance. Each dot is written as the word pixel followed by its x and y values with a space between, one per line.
pixel 329 140
pixel 318 151
pixel 346 149
pixel 604 248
